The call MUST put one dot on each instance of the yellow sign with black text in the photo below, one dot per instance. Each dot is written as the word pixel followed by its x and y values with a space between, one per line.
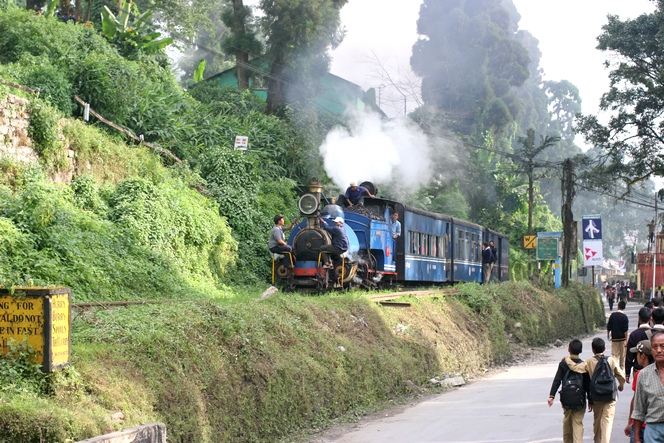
pixel 40 318
pixel 529 242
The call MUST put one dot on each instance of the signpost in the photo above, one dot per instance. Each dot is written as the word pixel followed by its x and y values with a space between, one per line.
pixel 41 317
pixel 529 242
pixel 592 242
pixel 241 142
pixel 549 249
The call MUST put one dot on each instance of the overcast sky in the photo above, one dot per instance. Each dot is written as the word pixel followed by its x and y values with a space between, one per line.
pixel 566 29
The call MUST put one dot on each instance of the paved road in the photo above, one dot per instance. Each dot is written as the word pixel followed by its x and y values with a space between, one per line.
pixel 510 406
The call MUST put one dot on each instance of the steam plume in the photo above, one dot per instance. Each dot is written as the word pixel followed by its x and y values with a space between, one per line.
pixel 390 153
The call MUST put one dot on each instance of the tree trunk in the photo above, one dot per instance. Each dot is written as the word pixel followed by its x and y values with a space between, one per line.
pixel 77 11
pixel 275 87
pixel 241 57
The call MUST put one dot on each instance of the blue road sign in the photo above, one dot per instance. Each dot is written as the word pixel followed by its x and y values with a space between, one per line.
pixel 592 227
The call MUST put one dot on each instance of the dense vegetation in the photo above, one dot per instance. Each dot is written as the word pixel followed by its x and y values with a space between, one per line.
pixel 256 371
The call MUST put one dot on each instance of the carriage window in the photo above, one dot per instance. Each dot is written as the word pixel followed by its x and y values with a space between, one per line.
pixel 424 244
pixel 415 242
pixel 433 251
pixel 459 245
pixel 466 254
pixel 473 245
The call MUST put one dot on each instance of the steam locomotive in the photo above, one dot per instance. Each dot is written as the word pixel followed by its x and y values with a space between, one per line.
pixel 432 248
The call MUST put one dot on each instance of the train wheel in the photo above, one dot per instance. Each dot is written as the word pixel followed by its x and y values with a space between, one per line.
pixel 282 271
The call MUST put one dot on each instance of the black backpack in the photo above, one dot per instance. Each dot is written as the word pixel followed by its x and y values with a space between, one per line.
pixel 603 384
pixel 572 395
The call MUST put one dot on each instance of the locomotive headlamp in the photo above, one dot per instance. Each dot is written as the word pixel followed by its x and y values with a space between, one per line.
pixel 308 204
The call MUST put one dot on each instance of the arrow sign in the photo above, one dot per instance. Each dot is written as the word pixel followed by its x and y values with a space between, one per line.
pixel 592 253
pixel 592 227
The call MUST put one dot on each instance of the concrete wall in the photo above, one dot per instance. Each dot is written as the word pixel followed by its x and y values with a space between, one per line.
pixel 14 120
pixel 148 433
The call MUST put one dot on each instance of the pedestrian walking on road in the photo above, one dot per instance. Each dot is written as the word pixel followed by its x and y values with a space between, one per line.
pixel 644 357
pixel 573 395
pixel 649 397
pixel 604 408
pixel 616 331
pixel 641 333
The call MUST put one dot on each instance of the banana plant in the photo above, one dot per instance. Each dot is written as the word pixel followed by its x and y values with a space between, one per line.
pixel 131 35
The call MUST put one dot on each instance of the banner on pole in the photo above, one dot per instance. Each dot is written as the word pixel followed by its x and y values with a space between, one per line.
pixel 592 253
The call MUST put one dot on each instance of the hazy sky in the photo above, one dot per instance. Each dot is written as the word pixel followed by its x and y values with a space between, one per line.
pixel 566 29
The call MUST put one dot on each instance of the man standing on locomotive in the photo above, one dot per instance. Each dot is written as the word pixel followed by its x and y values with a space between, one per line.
pixel 277 243
pixel 339 240
pixel 354 193
pixel 395 230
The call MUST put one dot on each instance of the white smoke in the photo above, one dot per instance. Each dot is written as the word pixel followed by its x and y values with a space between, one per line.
pixel 384 153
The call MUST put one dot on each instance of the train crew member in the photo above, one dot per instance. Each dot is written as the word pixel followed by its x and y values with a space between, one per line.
pixel 339 240
pixel 486 262
pixel 649 396
pixel 395 226
pixel 494 257
pixel 354 193
pixel 277 243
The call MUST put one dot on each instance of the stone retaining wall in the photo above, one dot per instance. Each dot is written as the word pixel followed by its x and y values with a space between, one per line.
pixel 14 121
pixel 149 433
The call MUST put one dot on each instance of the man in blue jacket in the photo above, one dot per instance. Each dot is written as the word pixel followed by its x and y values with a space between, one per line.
pixel 339 240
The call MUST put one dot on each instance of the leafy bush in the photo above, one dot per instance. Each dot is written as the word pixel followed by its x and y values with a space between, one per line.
pixel 43 131
pixel 49 240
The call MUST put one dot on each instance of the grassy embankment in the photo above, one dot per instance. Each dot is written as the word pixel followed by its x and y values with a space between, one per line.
pixel 254 371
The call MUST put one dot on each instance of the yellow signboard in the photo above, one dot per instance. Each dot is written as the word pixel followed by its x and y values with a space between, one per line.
pixel 60 323
pixel 42 318
pixel 529 242
pixel 22 320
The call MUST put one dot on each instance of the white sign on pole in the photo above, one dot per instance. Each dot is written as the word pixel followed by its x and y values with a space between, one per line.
pixel 592 253
pixel 241 142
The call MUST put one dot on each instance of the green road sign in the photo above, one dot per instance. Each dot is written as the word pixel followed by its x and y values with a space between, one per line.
pixel 547 248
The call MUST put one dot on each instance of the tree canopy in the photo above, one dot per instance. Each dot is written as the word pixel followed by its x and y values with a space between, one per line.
pixel 633 138
pixel 298 35
pixel 469 61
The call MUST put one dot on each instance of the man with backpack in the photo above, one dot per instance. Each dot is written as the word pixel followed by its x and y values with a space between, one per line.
pixel 573 395
pixel 606 379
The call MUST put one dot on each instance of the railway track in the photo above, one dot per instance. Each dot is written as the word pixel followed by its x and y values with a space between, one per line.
pixel 387 299
pixel 383 299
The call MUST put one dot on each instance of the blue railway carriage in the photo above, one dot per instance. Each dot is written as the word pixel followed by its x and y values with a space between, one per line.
pixel 438 248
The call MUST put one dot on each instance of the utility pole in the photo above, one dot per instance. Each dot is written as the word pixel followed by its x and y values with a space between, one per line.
pixel 529 171
pixel 654 255
pixel 568 193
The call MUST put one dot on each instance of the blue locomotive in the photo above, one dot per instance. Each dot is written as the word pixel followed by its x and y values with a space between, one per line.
pixel 432 248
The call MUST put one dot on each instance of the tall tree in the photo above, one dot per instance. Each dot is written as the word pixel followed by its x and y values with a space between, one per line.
pixel 469 61
pixel 242 41
pixel 633 138
pixel 299 34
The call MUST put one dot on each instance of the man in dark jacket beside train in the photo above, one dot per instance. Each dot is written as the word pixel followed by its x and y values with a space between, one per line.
pixel 339 240
pixel 487 259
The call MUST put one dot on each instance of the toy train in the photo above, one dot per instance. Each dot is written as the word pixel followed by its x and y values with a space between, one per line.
pixel 433 248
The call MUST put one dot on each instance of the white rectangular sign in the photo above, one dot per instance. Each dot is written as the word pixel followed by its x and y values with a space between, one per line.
pixel 241 142
pixel 592 253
